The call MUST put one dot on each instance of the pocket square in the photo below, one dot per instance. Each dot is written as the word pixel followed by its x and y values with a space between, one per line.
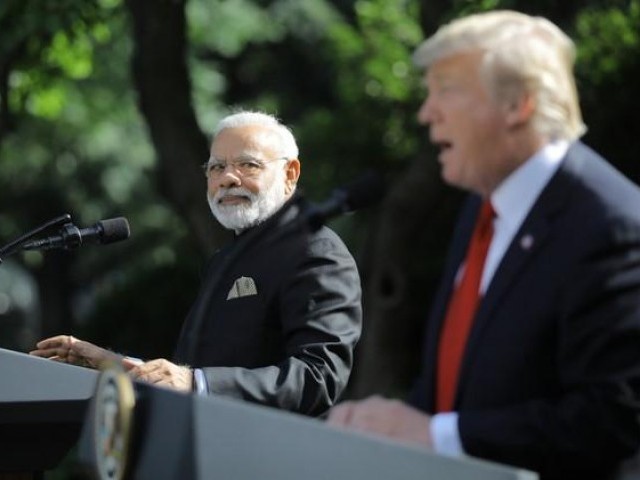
pixel 242 287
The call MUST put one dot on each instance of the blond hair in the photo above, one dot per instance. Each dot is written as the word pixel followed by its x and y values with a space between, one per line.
pixel 522 54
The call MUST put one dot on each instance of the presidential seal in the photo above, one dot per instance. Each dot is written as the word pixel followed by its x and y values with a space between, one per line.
pixel 114 400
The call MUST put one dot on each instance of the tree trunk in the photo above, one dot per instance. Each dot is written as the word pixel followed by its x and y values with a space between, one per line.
pixel 404 267
pixel 164 90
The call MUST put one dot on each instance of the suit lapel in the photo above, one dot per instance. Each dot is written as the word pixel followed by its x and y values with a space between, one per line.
pixel 530 238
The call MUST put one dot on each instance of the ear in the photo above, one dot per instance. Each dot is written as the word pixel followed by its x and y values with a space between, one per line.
pixel 520 110
pixel 292 173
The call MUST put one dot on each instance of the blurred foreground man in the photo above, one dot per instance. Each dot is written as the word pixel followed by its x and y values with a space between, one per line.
pixel 277 318
pixel 532 349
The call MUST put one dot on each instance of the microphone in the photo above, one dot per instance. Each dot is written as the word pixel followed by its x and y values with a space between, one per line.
pixel 70 237
pixel 365 190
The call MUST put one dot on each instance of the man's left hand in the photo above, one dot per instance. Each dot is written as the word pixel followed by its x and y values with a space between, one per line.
pixel 164 373
pixel 390 418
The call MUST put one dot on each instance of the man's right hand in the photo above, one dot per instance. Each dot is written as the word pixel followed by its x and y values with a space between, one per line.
pixel 67 349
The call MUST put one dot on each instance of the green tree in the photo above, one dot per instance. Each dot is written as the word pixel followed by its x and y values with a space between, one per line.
pixel 105 108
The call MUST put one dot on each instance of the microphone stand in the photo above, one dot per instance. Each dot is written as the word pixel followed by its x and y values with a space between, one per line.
pixel 15 245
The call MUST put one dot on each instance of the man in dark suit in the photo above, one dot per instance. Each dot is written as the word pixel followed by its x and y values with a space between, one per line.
pixel 279 313
pixel 532 348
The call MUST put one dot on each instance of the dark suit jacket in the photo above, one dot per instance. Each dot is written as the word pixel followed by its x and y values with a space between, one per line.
pixel 550 378
pixel 290 345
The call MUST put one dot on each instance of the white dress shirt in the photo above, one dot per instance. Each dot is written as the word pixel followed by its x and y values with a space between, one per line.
pixel 512 201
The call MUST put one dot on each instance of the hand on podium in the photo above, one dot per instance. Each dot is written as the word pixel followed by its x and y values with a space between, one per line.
pixel 161 372
pixel 71 350
pixel 390 418
pixel 68 349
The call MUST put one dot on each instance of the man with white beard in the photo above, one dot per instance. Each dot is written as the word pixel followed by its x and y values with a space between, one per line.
pixel 278 315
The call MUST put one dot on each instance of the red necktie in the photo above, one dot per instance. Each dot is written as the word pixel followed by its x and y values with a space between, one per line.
pixel 461 310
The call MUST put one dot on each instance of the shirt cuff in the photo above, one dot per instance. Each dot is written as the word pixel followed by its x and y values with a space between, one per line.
pixel 200 382
pixel 445 435
pixel 137 361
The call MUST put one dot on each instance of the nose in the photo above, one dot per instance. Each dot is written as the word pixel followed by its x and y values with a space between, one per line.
pixel 427 111
pixel 228 179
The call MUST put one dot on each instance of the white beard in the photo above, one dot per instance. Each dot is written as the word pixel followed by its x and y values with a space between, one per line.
pixel 242 216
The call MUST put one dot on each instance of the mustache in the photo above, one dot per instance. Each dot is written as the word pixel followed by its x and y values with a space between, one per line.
pixel 235 191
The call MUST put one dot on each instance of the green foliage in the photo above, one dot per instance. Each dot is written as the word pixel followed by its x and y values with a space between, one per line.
pixel 79 146
pixel 339 72
pixel 248 36
pixel 228 26
pixel 468 7
pixel 370 124
pixel 374 57
pixel 71 54
pixel 51 40
pixel 608 39
pixel 377 92
pixel 608 69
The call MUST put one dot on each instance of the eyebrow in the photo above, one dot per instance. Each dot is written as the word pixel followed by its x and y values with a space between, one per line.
pixel 242 156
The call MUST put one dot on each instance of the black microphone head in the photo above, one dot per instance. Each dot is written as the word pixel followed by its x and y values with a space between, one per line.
pixel 114 230
pixel 367 189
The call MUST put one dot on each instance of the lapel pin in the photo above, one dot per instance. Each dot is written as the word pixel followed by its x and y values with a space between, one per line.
pixel 526 242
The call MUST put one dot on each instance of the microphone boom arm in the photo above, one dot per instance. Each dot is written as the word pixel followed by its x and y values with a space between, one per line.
pixel 15 245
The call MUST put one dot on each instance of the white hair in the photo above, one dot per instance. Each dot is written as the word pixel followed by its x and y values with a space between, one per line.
pixel 288 146
pixel 522 54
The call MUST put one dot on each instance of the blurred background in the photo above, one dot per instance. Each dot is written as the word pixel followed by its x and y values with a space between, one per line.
pixel 106 107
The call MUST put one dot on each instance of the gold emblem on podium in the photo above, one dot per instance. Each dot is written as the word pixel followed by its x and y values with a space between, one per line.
pixel 114 400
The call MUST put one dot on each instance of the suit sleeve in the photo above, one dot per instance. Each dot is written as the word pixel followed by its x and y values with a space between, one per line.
pixel 592 421
pixel 321 315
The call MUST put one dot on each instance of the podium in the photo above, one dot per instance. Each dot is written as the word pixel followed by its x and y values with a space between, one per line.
pixel 42 409
pixel 45 406
pixel 195 437
pixel 45 410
